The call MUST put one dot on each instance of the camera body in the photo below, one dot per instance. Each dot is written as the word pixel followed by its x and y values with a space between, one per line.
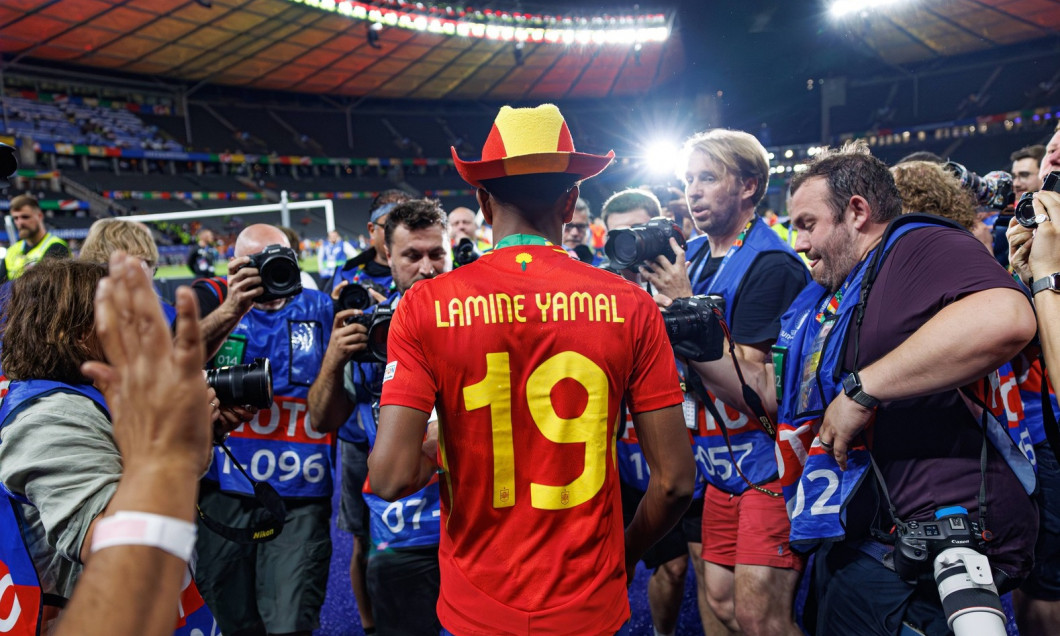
pixel 917 543
pixel 1025 215
pixel 280 276
pixel 694 328
pixel 628 248
pixel 993 190
pixel 378 325
pixel 357 296
pixel 465 252
pixel 243 384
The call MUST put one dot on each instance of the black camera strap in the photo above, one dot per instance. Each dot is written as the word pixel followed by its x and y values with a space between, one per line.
pixel 696 383
pixel 260 532
pixel 1049 423
pixel 750 396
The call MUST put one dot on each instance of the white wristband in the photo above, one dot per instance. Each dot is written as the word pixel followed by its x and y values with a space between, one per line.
pixel 175 536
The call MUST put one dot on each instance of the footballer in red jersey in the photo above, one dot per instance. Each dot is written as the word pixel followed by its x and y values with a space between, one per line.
pixel 527 354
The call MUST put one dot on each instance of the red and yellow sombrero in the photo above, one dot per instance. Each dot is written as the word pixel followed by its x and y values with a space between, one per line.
pixel 530 141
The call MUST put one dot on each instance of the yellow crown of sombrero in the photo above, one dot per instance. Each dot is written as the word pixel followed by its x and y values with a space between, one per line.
pixel 530 141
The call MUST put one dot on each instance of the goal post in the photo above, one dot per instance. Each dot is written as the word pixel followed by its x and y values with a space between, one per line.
pixel 283 207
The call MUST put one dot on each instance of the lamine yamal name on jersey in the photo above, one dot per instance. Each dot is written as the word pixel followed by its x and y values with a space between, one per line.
pixel 497 308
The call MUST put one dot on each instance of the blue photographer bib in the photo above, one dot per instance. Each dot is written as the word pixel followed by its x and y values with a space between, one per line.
pixel 752 448
pixel 367 378
pixel 412 521
pixel 808 362
pixel 279 446
pixel 17 572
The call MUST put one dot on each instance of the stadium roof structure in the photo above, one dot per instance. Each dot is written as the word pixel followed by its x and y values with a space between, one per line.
pixel 323 46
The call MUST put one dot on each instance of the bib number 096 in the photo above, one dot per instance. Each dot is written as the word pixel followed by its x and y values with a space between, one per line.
pixel 590 428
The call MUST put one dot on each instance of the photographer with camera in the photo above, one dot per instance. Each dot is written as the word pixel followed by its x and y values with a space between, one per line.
pixel 402 572
pixel 750 571
pixel 889 458
pixel 1032 254
pixel 275 582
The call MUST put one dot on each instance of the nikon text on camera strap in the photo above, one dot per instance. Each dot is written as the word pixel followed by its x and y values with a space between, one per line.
pixel 260 532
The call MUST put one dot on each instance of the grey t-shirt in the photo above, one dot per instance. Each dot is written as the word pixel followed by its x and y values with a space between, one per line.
pixel 60 454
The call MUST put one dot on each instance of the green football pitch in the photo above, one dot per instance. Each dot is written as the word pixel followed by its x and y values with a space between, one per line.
pixel 221 269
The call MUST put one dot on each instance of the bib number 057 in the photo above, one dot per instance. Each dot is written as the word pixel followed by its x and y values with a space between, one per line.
pixel 589 428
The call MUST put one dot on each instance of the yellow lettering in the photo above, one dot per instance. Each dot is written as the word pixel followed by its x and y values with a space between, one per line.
pixel 476 304
pixel 581 302
pixel 559 301
pixel 517 304
pixel 603 308
pixel 503 299
pixel 493 309
pixel 614 310
pixel 438 315
pixel 543 306
pixel 456 310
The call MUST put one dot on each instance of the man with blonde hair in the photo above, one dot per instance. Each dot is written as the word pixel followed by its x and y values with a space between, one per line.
pixel 750 570
pixel 107 236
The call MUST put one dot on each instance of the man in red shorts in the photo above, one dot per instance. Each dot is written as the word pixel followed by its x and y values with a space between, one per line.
pixel 526 354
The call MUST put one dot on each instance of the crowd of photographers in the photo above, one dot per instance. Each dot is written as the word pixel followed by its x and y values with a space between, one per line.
pixel 865 391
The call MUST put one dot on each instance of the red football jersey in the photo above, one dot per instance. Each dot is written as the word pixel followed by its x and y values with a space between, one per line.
pixel 527 354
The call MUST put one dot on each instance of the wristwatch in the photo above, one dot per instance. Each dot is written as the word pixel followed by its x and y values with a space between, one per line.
pixel 852 387
pixel 1050 282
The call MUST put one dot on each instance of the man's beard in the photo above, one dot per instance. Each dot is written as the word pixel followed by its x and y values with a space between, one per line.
pixel 842 256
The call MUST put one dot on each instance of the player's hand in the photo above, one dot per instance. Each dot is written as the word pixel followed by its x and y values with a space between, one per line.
pixel 670 279
pixel 244 285
pixel 1044 257
pixel 152 380
pixel 348 338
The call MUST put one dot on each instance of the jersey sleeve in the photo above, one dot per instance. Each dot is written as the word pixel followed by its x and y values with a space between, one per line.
pixel 653 383
pixel 408 379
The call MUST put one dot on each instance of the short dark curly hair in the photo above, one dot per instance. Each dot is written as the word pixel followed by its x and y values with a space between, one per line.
pixel 852 170
pixel 415 214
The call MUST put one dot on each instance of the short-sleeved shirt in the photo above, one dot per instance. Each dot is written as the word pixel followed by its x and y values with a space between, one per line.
pixel 769 286
pixel 928 448
pixel 527 354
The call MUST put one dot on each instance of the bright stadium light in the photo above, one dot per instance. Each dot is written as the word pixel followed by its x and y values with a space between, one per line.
pixel 661 158
pixel 843 8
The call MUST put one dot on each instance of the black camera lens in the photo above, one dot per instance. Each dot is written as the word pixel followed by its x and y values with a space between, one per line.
pixel 281 273
pixel 623 248
pixel 1025 214
pixel 8 164
pixel 627 248
pixel 465 252
pixel 354 296
pixel 243 384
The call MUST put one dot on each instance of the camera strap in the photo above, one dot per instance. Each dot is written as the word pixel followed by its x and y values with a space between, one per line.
pixel 1049 423
pixel 750 396
pixel 265 530
pixel 701 392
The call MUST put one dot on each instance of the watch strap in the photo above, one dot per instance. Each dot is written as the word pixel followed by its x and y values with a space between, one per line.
pixel 853 390
pixel 1049 282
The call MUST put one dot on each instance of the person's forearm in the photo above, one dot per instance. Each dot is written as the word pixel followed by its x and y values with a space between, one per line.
pixel 329 406
pixel 658 512
pixel 721 379
pixel 1048 306
pixel 960 344
pixel 152 576
pixel 215 329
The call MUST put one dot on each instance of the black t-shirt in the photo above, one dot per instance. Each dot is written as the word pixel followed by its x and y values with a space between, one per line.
pixel 766 291
pixel 928 448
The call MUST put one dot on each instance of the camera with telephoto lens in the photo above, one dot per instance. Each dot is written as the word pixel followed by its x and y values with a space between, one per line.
pixel 628 248
pixel 994 190
pixel 694 329
pixel 243 384
pixel 465 252
pixel 949 547
pixel 377 323
pixel 1025 214
pixel 280 277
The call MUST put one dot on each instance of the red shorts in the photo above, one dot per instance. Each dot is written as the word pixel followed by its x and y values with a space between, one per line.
pixel 747 529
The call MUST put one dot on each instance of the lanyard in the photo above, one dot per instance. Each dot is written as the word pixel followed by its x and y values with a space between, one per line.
pixel 521 239
pixel 724 261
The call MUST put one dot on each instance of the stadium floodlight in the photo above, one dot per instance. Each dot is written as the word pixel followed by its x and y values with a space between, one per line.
pixel 843 8
pixel 661 158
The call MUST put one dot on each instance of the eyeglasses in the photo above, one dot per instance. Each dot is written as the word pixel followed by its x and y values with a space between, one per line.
pixel 576 226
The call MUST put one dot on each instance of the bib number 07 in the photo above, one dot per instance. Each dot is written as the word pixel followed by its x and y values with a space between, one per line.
pixel 590 428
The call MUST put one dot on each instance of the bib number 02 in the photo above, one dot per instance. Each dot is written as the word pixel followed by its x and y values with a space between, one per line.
pixel 589 428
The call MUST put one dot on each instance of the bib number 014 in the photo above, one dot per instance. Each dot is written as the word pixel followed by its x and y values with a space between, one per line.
pixel 589 428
